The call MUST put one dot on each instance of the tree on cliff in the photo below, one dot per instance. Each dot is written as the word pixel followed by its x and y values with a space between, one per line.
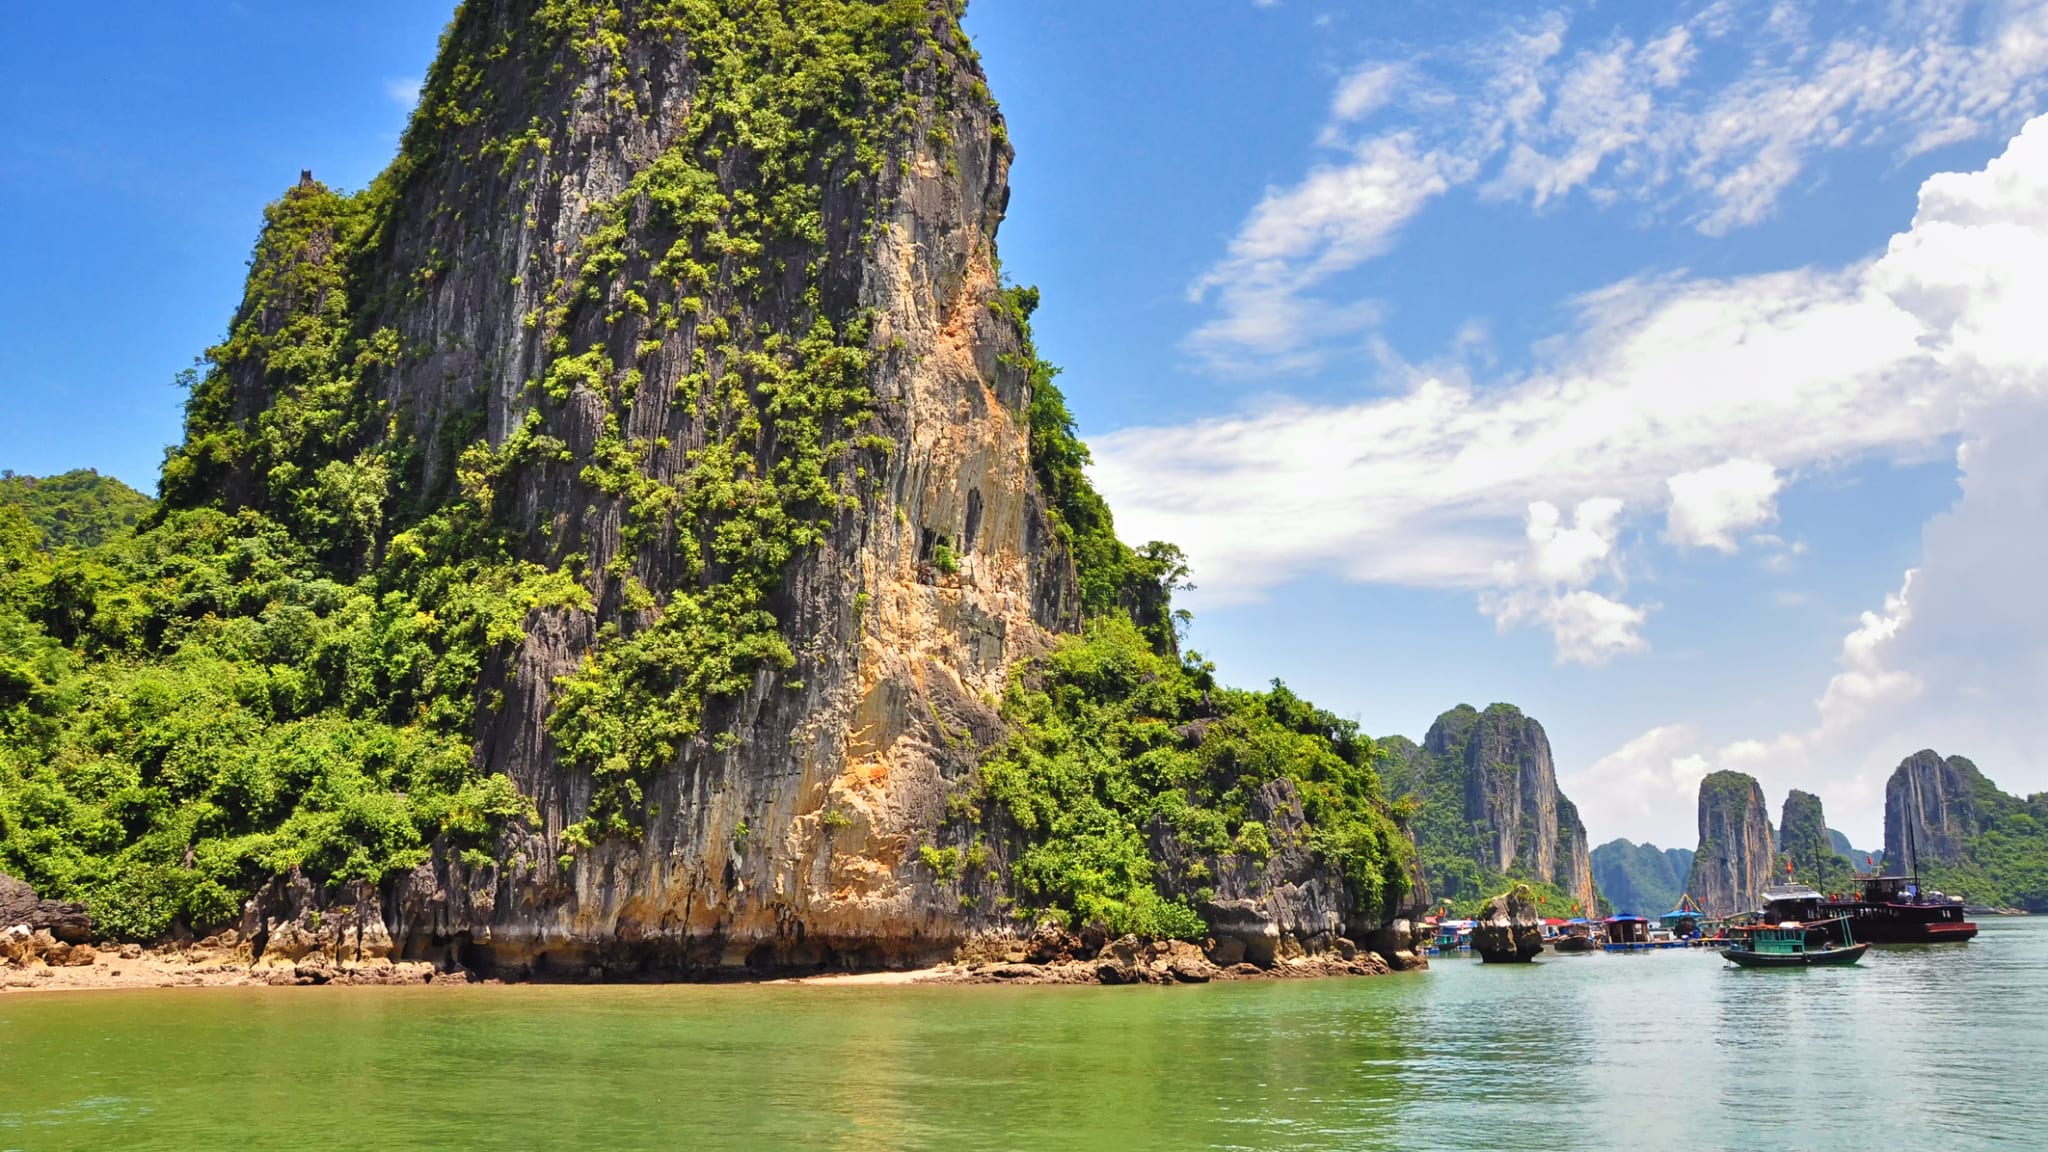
pixel 1804 843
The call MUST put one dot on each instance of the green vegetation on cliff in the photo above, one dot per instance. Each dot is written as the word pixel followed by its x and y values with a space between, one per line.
pixel 2003 860
pixel 1451 839
pixel 79 509
pixel 1642 879
pixel 187 711
pixel 1112 738
pixel 283 670
pixel 1804 843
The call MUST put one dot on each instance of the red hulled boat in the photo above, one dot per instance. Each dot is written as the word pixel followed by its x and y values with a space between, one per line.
pixel 1897 910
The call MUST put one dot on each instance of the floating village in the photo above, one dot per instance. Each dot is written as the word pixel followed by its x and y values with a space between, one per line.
pixel 1795 926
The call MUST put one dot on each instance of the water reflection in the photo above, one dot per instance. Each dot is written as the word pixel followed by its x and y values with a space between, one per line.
pixel 1914 1048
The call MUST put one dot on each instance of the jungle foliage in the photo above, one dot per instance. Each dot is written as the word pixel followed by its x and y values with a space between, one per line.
pixel 191 709
pixel 77 509
pixel 1110 736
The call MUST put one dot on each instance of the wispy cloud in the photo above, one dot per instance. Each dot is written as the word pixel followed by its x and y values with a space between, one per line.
pixel 1687 400
pixel 404 92
pixel 1709 121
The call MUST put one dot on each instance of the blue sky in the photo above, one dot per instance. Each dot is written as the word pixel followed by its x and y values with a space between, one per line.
pixel 1557 355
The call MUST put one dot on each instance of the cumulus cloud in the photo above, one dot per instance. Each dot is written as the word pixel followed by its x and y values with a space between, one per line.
pixel 1685 397
pixel 1645 790
pixel 1549 584
pixel 1572 556
pixel 1534 114
pixel 1957 658
pixel 1711 506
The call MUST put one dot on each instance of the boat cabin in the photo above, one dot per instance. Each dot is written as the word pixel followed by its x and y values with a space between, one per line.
pixel 1794 938
pixel 1628 930
pixel 1902 890
pixel 1791 903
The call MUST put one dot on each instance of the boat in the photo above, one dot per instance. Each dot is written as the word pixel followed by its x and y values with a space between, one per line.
pixel 1576 936
pixel 1794 944
pixel 1634 934
pixel 1898 909
pixel 1451 936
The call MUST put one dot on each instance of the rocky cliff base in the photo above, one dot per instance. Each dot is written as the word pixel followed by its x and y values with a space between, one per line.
pixel 38 961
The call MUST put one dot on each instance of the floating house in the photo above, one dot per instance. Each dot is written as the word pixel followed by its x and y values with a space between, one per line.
pixel 1686 920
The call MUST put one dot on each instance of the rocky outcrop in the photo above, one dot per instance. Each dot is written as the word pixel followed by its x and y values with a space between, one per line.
pixel 785 833
pixel 1510 930
pixel 1931 810
pixel 1053 955
pixel 1804 841
pixel 1287 906
pixel 1737 855
pixel 595 300
pixel 20 907
pixel 1488 790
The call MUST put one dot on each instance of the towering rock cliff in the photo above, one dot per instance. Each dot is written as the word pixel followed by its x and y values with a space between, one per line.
pixel 1490 806
pixel 1737 855
pixel 638 534
pixel 1931 810
pixel 720 293
pixel 1947 823
pixel 1804 841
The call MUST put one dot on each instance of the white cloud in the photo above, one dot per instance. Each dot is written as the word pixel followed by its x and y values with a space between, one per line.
pixel 1549 584
pixel 1957 659
pixel 1297 238
pixel 1710 506
pixel 1530 114
pixel 403 92
pixel 1645 790
pixel 1666 380
pixel 1574 555
pixel 1366 91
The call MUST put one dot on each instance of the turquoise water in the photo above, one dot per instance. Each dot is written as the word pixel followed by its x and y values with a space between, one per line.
pixel 1916 1048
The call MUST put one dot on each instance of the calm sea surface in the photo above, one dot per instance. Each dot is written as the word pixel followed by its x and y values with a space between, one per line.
pixel 1915 1049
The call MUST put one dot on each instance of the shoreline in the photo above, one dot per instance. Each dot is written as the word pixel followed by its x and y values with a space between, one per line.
pixel 133 969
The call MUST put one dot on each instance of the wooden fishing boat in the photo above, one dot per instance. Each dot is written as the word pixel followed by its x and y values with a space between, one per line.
pixel 1577 936
pixel 1794 944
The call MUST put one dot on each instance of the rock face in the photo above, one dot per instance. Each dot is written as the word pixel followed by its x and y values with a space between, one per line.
pixel 1510 931
pixel 1488 787
pixel 525 280
pixel 1804 840
pixel 569 262
pixel 20 907
pixel 1737 854
pixel 1931 810
pixel 1286 907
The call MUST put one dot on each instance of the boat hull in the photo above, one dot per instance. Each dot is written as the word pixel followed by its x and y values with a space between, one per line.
pixel 1877 924
pixel 1829 958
